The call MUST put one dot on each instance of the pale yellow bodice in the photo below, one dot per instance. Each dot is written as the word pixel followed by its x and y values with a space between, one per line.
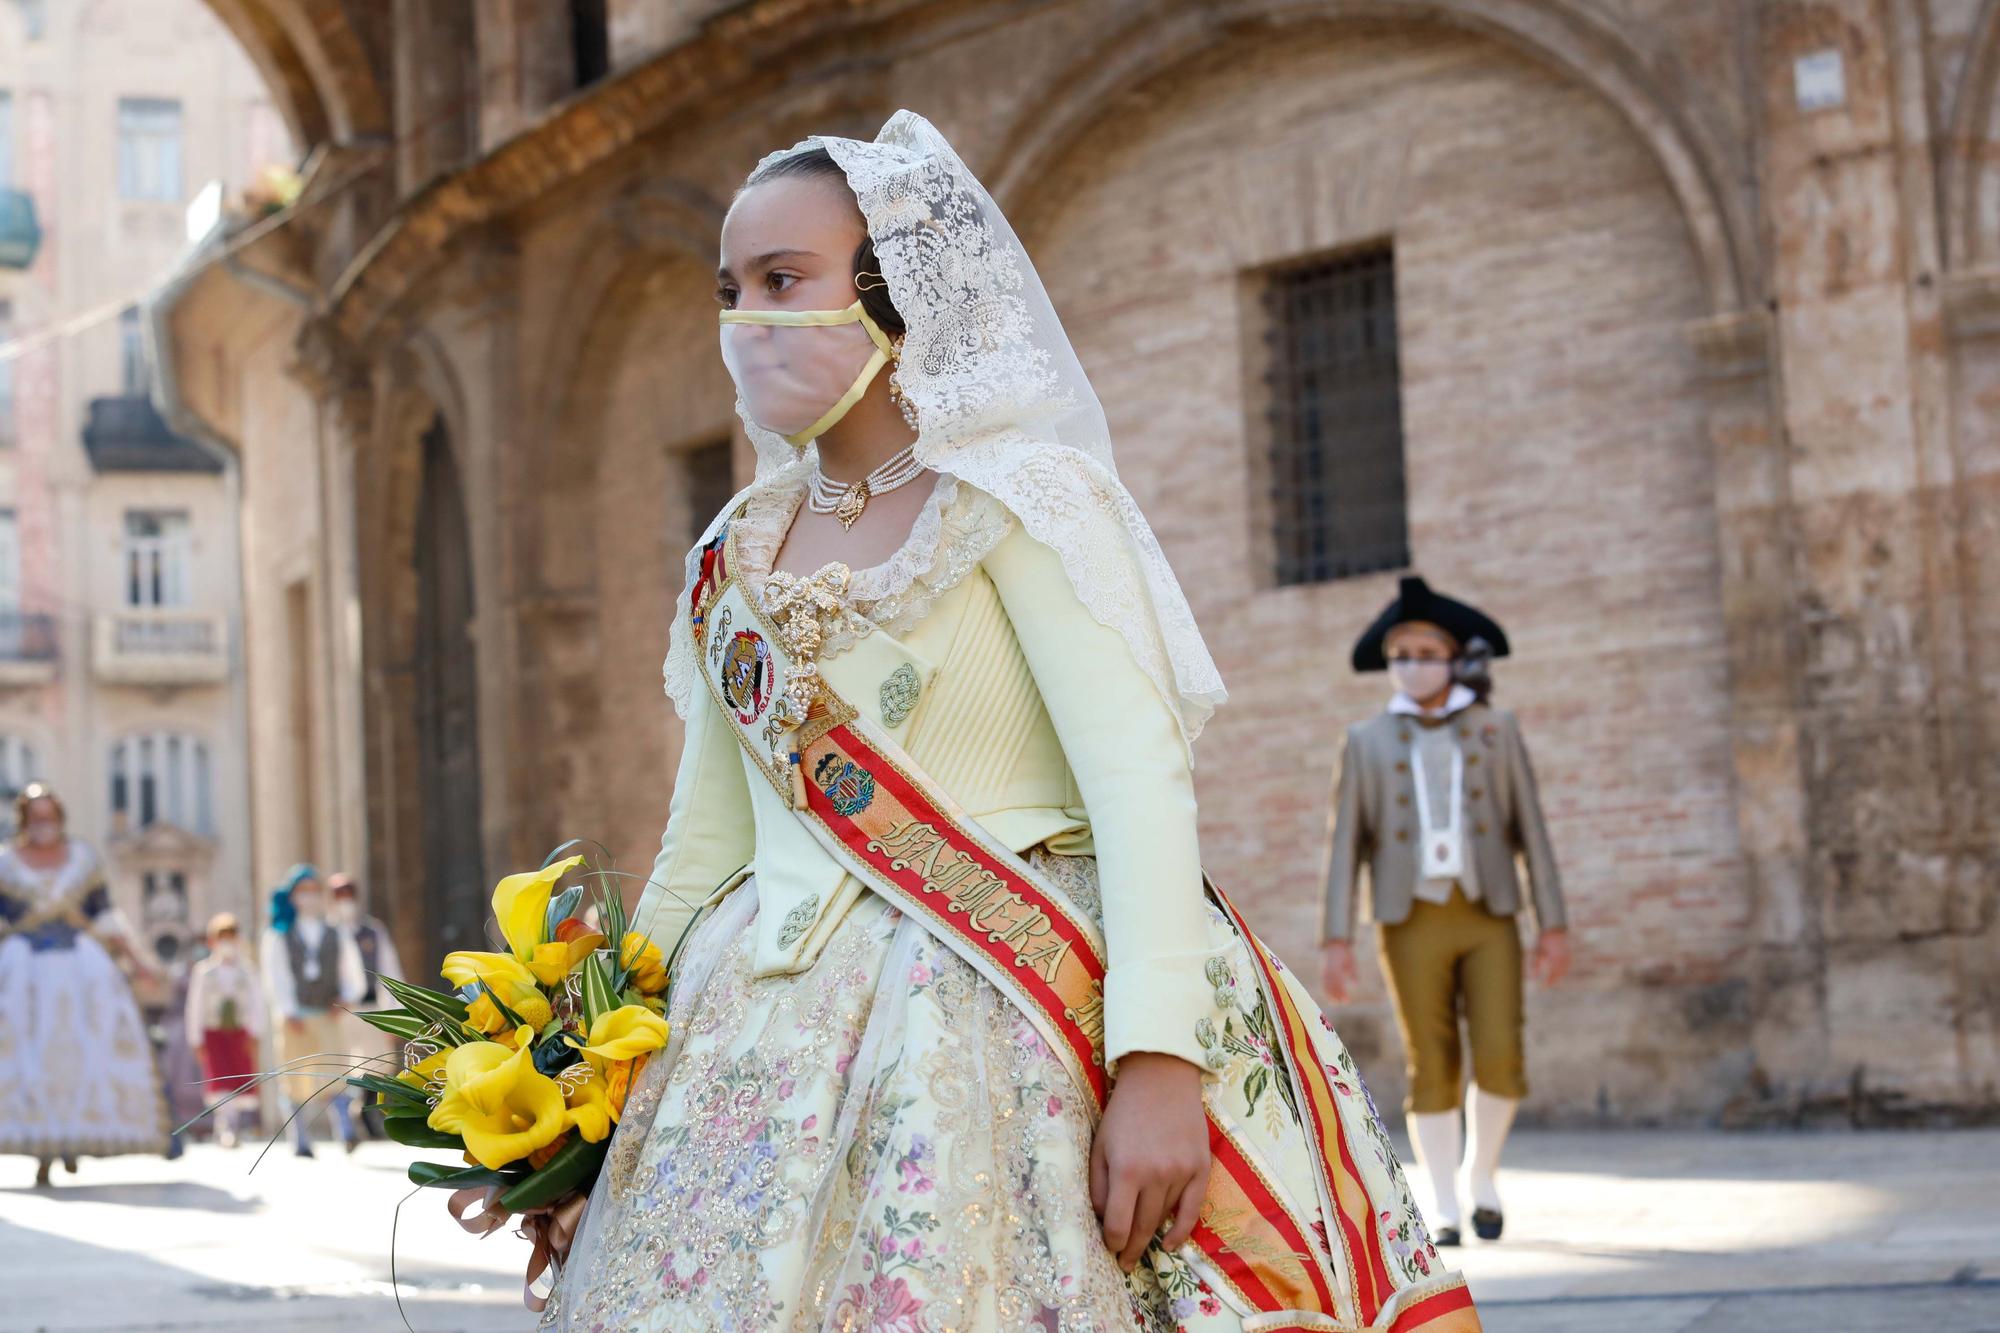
pixel 1035 719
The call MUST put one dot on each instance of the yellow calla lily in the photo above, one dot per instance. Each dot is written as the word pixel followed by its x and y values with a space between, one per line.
pixel 590 1108
pixel 553 961
pixel 426 1072
pixel 498 1102
pixel 649 966
pixel 521 905
pixel 624 1033
pixel 509 978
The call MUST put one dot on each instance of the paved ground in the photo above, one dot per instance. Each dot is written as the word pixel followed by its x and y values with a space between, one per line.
pixel 1633 1232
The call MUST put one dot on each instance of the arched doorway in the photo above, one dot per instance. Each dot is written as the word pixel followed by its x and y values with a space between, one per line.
pixel 447 712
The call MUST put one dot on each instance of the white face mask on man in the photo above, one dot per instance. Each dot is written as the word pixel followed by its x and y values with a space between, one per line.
pixel 346 912
pixel 1421 678
pixel 800 371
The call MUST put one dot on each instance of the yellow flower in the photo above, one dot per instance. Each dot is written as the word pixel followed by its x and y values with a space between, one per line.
pixel 498 1102
pixel 590 1108
pixel 649 966
pixel 510 979
pixel 623 1034
pixel 425 1072
pixel 597 1103
pixel 521 906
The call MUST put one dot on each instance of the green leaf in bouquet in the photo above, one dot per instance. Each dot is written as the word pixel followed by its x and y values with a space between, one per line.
pixel 454 1177
pixel 397 1022
pixel 598 996
pixel 414 1133
pixel 392 1090
pixel 573 1168
pixel 432 1004
pixel 562 907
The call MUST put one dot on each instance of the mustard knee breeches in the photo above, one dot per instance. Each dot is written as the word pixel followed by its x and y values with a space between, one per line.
pixel 1443 957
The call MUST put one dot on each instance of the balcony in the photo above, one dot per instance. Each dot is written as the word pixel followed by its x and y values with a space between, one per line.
pixel 128 434
pixel 162 646
pixel 27 648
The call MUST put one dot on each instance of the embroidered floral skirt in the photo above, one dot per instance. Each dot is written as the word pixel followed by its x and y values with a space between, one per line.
pixel 76 1068
pixel 882 1142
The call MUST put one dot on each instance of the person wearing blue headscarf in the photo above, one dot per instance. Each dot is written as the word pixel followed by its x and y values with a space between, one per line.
pixel 311 969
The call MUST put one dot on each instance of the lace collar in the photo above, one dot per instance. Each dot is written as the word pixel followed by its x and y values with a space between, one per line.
pixel 957 527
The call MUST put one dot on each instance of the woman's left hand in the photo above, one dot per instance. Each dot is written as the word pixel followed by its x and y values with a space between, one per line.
pixel 1149 1163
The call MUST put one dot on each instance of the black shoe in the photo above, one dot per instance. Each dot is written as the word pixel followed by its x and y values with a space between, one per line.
pixel 1486 1223
pixel 303 1150
pixel 1445 1236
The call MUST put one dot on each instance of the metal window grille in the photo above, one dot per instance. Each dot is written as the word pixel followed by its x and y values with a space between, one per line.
pixel 1336 476
pixel 711 482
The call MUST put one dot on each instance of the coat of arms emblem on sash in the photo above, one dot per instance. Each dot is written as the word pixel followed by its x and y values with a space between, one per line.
pixel 747 675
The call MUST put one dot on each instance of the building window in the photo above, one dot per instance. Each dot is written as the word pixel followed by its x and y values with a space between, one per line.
pixel 156 557
pixel 590 40
pixel 34 18
pixel 6 140
pixel 711 483
pixel 10 562
pixel 7 435
pixel 18 768
pixel 161 778
pixel 149 148
pixel 132 369
pixel 1336 418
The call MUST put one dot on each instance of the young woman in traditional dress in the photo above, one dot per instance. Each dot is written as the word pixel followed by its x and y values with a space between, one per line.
pixel 960 1040
pixel 76 1069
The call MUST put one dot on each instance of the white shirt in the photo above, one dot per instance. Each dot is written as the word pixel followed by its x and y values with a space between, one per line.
pixel 214 982
pixel 1432 751
pixel 278 965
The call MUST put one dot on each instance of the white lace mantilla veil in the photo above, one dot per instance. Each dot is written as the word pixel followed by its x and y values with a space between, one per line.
pixel 1002 402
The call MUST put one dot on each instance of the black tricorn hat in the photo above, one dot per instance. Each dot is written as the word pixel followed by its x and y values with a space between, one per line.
pixel 1416 601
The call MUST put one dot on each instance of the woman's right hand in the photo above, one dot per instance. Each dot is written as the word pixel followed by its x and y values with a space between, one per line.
pixel 1337 972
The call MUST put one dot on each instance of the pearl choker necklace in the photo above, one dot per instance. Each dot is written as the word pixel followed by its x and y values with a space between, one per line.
pixel 845 501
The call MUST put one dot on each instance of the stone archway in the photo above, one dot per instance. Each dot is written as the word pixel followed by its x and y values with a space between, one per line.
pixel 1559 470
pixel 1563 34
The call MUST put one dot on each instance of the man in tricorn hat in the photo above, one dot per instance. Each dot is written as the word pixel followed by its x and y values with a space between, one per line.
pixel 1437 799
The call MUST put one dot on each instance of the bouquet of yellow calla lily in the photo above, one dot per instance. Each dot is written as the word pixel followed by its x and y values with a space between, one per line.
pixel 524 1066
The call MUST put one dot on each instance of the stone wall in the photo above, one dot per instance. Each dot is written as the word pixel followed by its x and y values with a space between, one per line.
pixel 1697 389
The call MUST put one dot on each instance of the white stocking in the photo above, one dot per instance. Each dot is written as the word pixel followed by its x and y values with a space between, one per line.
pixel 1435 1135
pixel 1487 1119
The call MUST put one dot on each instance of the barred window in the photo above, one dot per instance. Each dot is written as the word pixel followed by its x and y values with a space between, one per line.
pixel 1336 418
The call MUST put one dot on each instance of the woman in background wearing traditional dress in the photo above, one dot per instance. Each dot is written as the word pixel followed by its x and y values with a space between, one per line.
pixel 76 1070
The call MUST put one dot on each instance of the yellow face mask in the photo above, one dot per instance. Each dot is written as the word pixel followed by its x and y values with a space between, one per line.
pixel 790 364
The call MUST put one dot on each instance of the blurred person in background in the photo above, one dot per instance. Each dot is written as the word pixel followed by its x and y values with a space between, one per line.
pixel 378 959
pixel 225 1013
pixel 311 969
pixel 1437 799
pixel 76 1069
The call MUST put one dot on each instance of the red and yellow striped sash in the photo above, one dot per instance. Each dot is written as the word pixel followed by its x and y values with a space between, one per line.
pixel 879 815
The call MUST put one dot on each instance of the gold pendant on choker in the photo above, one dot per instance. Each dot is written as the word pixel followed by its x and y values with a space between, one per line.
pixel 851 504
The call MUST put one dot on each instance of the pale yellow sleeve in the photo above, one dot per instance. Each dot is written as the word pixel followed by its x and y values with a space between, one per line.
pixel 709 833
pixel 1124 747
